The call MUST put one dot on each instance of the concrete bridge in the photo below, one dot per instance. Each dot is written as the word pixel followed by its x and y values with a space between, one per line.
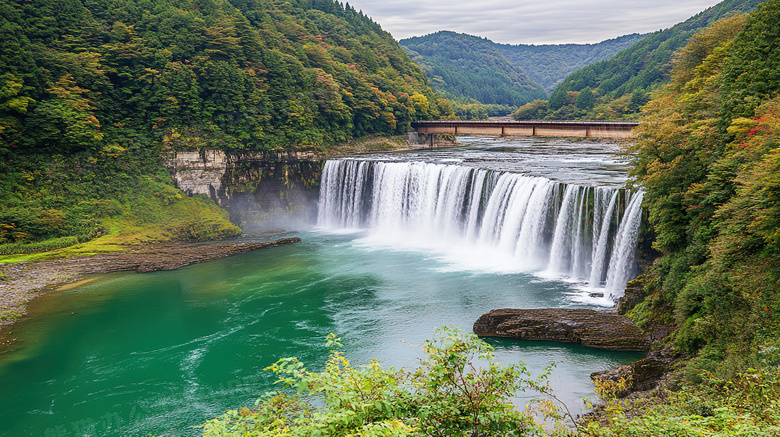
pixel 590 129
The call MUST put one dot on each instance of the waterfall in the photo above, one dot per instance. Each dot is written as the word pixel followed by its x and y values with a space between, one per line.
pixel 621 266
pixel 566 231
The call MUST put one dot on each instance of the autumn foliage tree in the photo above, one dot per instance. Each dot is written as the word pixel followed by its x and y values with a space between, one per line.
pixel 707 154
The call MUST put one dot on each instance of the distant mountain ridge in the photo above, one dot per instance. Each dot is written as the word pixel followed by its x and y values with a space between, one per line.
pixel 466 67
pixel 549 64
pixel 621 84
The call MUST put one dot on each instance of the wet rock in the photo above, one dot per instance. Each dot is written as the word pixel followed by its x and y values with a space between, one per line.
pixel 598 329
pixel 642 375
pixel 634 293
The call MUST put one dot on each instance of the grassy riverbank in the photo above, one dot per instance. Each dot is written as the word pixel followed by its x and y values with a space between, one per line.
pixel 141 209
pixel 64 207
pixel 173 224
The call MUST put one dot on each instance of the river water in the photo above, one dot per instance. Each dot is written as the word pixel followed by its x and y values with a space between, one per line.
pixel 158 353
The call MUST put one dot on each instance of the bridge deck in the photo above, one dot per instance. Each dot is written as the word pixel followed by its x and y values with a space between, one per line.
pixel 544 128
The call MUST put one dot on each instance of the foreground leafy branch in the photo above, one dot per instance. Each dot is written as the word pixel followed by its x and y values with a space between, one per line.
pixel 458 390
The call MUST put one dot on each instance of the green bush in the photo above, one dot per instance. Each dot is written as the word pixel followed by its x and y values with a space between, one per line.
pixel 10 315
pixel 447 395
pixel 746 405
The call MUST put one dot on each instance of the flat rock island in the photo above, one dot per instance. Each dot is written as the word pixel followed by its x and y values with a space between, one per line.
pixel 598 329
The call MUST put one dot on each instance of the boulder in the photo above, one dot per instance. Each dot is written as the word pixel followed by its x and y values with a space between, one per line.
pixel 598 329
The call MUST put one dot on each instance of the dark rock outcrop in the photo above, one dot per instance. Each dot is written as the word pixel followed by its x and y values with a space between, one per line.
pixel 642 375
pixel 634 293
pixel 591 328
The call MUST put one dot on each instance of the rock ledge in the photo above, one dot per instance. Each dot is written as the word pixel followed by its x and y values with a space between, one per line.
pixel 641 376
pixel 598 329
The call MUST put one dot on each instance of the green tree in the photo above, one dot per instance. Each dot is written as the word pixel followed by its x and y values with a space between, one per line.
pixel 585 99
pixel 558 99
pixel 752 70
pixel 531 111
pixel 67 120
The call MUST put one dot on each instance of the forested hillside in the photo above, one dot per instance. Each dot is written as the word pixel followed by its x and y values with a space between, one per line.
pixel 471 70
pixel 466 68
pixel 708 156
pixel 550 64
pixel 93 94
pixel 616 88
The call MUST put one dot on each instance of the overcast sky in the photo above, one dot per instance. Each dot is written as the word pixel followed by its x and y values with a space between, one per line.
pixel 530 21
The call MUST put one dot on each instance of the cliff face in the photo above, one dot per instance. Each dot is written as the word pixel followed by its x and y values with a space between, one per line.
pixel 271 190
pixel 199 172
pixel 259 190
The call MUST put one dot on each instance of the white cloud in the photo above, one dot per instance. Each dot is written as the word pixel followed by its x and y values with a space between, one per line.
pixel 530 22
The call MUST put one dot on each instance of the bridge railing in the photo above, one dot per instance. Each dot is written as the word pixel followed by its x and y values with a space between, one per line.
pixel 546 128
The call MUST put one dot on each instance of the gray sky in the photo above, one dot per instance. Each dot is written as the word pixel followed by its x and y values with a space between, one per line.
pixel 530 21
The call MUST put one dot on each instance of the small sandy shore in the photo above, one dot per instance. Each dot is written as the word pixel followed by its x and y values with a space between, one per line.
pixel 27 280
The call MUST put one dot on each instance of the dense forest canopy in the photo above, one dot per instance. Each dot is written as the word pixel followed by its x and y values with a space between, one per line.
pixel 241 75
pixel 617 88
pixel 94 93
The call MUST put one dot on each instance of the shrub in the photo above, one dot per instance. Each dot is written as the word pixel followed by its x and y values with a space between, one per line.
pixel 446 395
pixel 746 404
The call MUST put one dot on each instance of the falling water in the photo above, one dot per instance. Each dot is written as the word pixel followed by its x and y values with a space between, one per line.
pixel 566 231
